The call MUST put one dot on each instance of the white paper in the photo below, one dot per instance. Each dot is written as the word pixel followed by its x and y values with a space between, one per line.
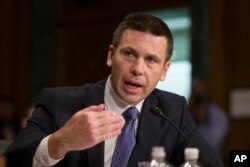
pixel 240 103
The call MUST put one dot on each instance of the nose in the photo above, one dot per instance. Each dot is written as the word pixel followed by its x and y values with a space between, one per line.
pixel 137 67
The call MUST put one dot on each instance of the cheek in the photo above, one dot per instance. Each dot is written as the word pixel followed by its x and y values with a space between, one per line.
pixel 121 66
pixel 117 70
pixel 155 75
pixel 152 78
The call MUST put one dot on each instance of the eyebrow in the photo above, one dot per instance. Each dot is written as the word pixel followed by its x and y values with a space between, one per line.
pixel 129 49
pixel 136 53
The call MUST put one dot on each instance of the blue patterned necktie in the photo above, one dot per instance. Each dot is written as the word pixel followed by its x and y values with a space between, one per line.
pixel 126 140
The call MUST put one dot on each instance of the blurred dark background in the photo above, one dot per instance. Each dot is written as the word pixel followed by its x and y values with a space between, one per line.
pixel 61 43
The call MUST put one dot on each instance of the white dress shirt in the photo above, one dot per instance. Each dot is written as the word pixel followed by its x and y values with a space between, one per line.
pixel 112 103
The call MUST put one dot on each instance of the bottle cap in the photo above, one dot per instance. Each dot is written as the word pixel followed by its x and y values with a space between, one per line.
pixel 191 153
pixel 158 151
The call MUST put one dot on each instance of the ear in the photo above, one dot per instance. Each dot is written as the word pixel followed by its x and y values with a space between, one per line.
pixel 111 52
pixel 165 70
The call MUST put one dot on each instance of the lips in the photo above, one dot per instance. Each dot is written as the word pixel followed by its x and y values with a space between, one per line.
pixel 134 85
pixel 132 88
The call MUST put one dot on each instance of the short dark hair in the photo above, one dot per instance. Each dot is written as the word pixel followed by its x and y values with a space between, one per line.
pixel 145 23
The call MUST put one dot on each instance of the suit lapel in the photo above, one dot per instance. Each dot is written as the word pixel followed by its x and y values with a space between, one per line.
pixel 94 95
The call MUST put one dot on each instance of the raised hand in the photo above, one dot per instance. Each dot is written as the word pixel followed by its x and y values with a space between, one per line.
pixel 85 129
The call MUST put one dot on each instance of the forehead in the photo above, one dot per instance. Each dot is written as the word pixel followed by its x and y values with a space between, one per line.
pixel 132 32
pixel 143 40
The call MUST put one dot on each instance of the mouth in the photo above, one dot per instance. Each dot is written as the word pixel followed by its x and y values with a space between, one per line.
pixel 132 88
pixel 133 85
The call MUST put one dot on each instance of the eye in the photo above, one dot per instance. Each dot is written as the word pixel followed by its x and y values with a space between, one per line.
pixel 128 53
pixel 151 59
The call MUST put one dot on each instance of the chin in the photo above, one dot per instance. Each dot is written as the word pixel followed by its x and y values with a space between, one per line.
pixel 131 101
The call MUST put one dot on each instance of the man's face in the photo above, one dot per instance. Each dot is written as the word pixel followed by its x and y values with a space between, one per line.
pixel 137 64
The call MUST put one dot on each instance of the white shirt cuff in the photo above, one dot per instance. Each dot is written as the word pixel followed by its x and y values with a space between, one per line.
pixel 41 157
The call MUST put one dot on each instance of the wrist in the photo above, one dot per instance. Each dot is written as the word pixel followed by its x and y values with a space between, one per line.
pixel 56 146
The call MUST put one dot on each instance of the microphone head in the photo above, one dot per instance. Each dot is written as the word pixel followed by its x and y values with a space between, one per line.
pixel 155 110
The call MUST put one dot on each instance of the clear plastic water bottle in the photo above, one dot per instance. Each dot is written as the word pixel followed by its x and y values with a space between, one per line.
pixel 191 158
pixel 158 156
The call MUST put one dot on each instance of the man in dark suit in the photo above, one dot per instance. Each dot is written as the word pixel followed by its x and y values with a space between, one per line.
pixel 79 126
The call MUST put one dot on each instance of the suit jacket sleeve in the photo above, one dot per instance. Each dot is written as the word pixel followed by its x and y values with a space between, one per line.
pixel 43 122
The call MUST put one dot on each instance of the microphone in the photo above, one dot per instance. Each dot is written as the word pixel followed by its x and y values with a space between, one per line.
pixel 158 112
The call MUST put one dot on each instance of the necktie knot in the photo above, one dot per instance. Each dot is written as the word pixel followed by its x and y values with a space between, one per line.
pixel 130 113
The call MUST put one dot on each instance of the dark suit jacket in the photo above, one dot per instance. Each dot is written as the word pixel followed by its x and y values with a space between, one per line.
pixel 56 105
